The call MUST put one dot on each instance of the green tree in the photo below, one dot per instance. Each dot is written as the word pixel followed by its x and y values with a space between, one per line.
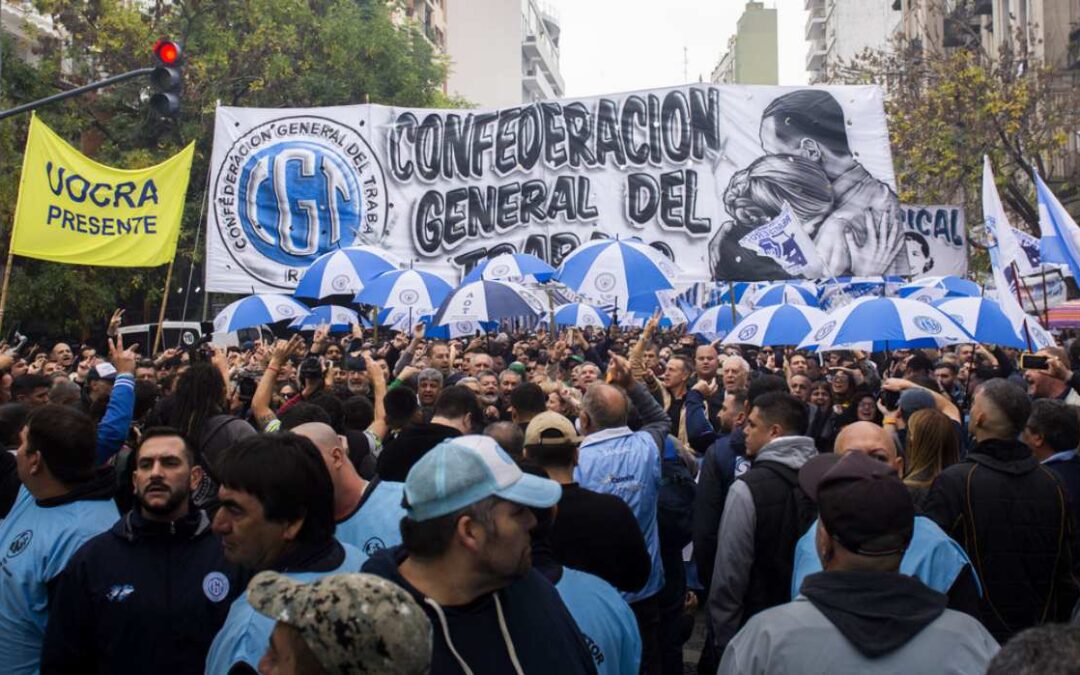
pixel 946 108
pixel 269 53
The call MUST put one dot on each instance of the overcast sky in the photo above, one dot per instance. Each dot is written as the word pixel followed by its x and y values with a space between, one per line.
pixel 608 46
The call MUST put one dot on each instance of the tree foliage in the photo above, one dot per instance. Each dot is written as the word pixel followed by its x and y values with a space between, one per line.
pixel 263 53
pixel 947 108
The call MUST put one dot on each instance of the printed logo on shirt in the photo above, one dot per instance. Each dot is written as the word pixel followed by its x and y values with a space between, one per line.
pixel 20 543
pixel 215 586
pixel 119 592
pixel 742 465
pixel 373 546
pixel 594 649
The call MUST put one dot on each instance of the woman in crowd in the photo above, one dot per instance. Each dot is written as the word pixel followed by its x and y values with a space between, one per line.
pixel 932 447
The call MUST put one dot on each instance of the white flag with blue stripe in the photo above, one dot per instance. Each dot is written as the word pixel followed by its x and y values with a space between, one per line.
pixel 1060 242
pixel 784 240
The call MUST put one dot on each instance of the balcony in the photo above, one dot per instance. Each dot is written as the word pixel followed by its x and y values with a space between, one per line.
pixel 815 56
pixel 810 5
pixel 536 85
pixel 815 24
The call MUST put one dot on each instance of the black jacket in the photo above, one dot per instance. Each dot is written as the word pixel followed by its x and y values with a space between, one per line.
pixel 539 626
pixel 1010 514
pixel 143 597
pixel 400 453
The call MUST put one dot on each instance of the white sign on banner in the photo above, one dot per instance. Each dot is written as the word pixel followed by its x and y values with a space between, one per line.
pixel 784 240
pixel 936 239
pixel 1038 296
pixel 690 170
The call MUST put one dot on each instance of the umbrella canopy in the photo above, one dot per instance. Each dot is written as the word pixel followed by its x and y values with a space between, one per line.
pixel 775 325
pixel 669 316
pixel 344 271
pixel 880 324
pixel 487 301
pixel 511 267
pixel 255 310
pixel 714 323
pixel 786 294
pixel 403 318
pixel 581 316
pixel 984 319
pixel 611 271
pixel 458 329
pixel 404 289
pixel 1066 315
pixel 340 319
pixel 929 289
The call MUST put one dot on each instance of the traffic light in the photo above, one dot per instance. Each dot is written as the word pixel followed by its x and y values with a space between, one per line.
pixel 166 78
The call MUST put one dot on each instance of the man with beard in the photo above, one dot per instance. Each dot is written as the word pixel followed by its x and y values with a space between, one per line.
pixel 150 594
pixel 429 383
pixel 466 559
pixel 489 393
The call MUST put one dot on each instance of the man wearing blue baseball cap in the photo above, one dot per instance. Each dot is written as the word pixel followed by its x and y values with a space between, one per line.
pixel 466 558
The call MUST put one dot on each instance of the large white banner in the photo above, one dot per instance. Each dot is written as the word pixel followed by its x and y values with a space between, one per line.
pixel 936 240
pixel 690 170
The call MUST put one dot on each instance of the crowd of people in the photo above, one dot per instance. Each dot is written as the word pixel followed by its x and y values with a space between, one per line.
pixel 566 502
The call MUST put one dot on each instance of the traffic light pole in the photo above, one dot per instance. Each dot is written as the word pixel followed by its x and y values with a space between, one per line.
pixel 115 79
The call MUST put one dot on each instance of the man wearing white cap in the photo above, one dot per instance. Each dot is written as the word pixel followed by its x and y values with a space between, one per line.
pixel 466 559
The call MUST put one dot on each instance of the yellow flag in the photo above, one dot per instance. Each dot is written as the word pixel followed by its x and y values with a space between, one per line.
pixel 73 210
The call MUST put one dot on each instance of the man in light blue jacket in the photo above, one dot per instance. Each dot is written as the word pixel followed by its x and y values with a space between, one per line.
pixel 616 460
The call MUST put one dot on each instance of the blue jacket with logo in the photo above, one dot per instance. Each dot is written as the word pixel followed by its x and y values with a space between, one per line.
pixel 37 539
pixel 142 597
pixel 376 523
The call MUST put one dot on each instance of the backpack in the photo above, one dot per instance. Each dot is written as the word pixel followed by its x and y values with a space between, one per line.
pixel 675 501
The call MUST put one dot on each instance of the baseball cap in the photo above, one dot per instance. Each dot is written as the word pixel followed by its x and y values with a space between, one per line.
pixel 915 399
pixel 464 470
pixel 861 502
pixel 102 371
pixel 551 428
pixel 353 623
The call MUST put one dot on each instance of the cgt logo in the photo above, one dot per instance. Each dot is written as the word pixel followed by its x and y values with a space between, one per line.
pixel 293 189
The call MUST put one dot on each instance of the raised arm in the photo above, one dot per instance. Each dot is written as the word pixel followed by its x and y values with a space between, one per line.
pixel 260 401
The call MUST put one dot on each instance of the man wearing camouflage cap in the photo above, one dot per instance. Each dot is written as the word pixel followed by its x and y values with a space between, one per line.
pixel 341 624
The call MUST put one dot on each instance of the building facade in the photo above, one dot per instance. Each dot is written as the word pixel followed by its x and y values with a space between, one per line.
pixel 752 53
pixel 838 31
pixel 503 52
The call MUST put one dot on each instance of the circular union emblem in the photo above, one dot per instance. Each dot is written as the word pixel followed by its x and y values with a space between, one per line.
pixel 373 546
pixel 340 282
pixel 587 319
pixel 605 282
pixel 748 332
pixel 927 324
pixel 215 586
pixel 286 310
pixel 292 189
pixel 825 330
pixel 498 271
pixel 20 542
pixel 925 298
pixel 464 327
pixel 188 338
pixel 408 296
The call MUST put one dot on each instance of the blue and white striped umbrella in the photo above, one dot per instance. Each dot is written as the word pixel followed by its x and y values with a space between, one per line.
pixel 581 315
pixel 929 289
pixel 344 271
pixel 404 319
pixel 775 325
pixel 714 323
pixel 517 267
pixel 612 271
pixel 487 301
pixel 669 317
pixel 340 319
pixel 880 324
pixel 788 293
pixel 984 319
pixel 404 288
pixel 458 329
pixel 256 310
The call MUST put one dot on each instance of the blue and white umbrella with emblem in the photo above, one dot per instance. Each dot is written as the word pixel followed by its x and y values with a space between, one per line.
pixel 929 289
pixel 518 267
pixel 344 271
pixel 340 319
pixel 581 315
pixel 488 301
pixel 880 324
pixel 775 325
pixel 402 289
pixel 984 319
pixel 714 323
pixel 610 271
pixel 788 293
pixel 256 310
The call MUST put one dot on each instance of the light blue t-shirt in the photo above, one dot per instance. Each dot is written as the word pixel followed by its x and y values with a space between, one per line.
pixel 605 620
pixel 35 546
pixel 376 523
pixel 932 557
pixel 246 633
pixel 627 464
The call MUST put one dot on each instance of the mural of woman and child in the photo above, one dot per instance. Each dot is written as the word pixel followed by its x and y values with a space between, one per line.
pixel 852 217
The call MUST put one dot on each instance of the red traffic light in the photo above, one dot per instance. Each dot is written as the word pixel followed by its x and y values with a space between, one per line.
pixel 167 52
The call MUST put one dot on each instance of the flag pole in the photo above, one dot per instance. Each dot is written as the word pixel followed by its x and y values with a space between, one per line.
pixel 1020 300
pixel 1046 297
pixel 7 276
pixel 164 303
